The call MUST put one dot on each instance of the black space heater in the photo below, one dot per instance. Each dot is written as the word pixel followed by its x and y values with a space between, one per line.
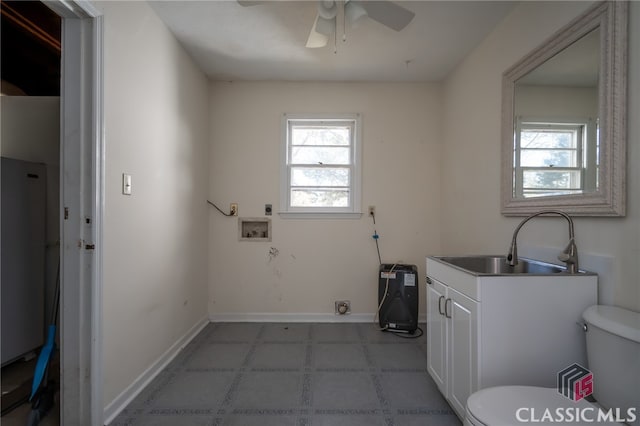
pixel 398 297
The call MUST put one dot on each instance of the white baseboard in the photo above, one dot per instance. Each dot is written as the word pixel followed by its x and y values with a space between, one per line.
pixel 295 317
pixel 114 408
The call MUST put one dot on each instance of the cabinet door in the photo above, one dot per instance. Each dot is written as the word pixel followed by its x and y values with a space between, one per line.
pixel 437 333
pixel 463 349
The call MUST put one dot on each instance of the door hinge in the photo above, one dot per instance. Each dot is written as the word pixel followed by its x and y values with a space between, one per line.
pixel 66 213
pixel 90 246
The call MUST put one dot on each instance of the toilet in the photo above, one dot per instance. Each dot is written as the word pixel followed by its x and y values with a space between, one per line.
pixel 613 354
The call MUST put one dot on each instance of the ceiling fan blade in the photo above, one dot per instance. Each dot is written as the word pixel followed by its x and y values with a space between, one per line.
pixel 387 13
pixel 320 32
pixel 316 39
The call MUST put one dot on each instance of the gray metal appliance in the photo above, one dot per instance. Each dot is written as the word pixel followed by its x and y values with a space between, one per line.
pixel 23 257
pixel 398 297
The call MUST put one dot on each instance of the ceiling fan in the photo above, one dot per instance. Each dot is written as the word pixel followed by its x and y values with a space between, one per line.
pixel 385 12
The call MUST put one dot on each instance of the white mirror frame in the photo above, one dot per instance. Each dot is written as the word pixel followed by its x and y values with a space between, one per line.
pixel 610 198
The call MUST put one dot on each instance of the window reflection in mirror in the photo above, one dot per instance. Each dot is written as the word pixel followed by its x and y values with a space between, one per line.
pixel 555 157
pixel 556 142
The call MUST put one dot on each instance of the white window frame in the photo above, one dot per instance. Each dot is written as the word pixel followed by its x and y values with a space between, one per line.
pixel 355 184
pixel 584 148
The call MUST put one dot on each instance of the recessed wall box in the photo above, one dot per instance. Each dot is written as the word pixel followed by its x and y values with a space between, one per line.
pixel 254 229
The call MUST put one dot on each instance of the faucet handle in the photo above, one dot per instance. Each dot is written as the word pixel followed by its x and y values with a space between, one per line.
pixel 570 253
pixel 570 256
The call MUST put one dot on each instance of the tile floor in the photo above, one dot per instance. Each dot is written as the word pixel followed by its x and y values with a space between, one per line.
pixel 293 374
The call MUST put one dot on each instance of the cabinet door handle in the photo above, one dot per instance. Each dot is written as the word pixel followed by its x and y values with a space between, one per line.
pixel 446 311
pixel 440 305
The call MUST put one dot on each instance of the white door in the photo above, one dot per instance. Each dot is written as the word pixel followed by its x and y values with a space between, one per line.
pixel 437 333
pixel 463 348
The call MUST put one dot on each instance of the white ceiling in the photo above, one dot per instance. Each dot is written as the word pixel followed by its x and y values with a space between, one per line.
pixel 267 41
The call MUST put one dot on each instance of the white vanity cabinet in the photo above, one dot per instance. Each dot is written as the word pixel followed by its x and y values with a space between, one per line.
pixel 492 330
pixel 452 341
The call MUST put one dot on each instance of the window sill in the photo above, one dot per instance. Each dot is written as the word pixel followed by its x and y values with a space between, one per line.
pixel 312 215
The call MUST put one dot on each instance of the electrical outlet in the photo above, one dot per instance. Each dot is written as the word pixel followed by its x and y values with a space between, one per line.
pixel 372 210
pixel 233 211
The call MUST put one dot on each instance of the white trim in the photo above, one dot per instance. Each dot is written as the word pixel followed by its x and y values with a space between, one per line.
pixel 97 207
pixel 297 317
pixel 336 215
pixel 116 406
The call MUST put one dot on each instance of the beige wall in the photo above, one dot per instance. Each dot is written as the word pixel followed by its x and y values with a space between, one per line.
pixel 155 253
pixel 31 128
pixel 320 261
pixel 470 209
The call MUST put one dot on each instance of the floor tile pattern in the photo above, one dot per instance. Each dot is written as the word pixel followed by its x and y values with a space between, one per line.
pixel 293 374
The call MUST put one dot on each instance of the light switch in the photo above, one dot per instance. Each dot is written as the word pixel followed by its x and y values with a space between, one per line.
pixel 126 184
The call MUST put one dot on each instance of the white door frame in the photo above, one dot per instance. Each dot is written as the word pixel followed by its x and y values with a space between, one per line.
pixel 82 205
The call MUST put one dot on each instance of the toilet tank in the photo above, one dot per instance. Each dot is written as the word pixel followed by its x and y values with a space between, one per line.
pixel 613 353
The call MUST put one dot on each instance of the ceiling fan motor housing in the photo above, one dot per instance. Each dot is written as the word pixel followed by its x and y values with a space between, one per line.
pixel 327 9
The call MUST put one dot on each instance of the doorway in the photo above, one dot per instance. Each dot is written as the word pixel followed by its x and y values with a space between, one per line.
pixel 30 104
pixel 80 210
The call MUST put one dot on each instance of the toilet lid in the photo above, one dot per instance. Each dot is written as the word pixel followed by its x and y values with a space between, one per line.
pixel 513 405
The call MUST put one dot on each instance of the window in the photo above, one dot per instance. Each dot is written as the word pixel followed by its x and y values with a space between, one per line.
pixel 320 165
pixel 550 158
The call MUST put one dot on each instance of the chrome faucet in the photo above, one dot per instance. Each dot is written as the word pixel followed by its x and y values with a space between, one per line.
pixel 569 255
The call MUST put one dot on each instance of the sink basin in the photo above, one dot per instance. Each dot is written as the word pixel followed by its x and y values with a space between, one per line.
pixel 497 265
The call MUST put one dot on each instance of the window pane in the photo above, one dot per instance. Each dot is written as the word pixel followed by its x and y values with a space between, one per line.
pixel 532 138
pixel 551 179
pixel 320 135
pixel 319 176
pixel 319 197
pixel 320 155
pixel 550 158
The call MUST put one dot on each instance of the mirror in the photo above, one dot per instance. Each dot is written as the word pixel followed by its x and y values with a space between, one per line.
pixel 564 119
